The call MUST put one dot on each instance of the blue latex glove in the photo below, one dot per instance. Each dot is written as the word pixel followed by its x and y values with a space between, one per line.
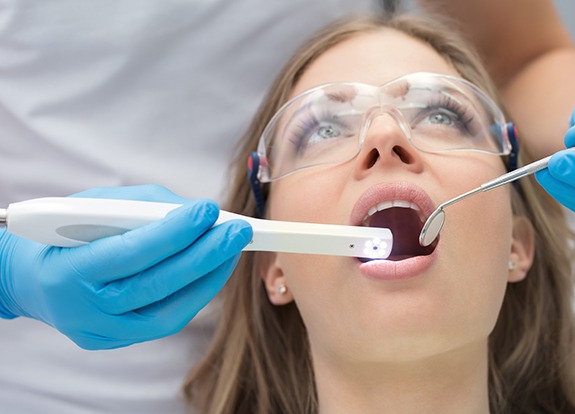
pixel 559 177
pixel 145 284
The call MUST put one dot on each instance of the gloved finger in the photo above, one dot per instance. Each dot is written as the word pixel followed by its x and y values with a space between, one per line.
pixel 562 166
pixel 160 319
pixel 570 136
pixel 208 253
pixel 105 332
pixel 559 178
pixel 120 256
pixel 175 312
pixel 572 119
pixel 91 341
pixel 148 192
pixel 563 193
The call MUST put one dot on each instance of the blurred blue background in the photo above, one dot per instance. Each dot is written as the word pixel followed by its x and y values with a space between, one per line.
pixel 567 11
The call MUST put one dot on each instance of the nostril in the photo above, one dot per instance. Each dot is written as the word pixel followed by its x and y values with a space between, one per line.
pixel 371 158
pixel 404 156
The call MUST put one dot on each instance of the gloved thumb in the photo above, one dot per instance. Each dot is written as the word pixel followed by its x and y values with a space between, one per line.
pixel 570 134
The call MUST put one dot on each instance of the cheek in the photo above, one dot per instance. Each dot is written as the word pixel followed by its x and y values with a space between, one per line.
pixel 482 223
pixel 474 250
pixel 315 282
pixel 482 227
pixel 476 245
pixel 308 197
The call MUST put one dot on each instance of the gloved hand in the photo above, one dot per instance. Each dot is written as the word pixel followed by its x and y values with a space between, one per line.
pixel 145 284
pixel 558 178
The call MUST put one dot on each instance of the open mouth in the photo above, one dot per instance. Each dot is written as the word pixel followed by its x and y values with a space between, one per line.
pixel 405 220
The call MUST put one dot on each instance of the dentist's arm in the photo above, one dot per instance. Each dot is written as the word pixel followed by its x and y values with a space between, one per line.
pixel 531 56
pixel 145 284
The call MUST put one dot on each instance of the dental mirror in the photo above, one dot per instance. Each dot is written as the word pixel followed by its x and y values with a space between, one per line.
pixel 435 222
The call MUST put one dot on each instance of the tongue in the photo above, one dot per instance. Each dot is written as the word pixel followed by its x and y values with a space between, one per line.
pixel 405 226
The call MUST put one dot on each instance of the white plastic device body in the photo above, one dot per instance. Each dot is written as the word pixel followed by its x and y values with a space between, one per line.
pixel 70 222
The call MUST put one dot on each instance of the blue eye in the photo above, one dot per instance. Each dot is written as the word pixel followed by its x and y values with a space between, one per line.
pixel 446 113
pixel 320 128
pixel 324 132
pixel 311 131
pixel 440 118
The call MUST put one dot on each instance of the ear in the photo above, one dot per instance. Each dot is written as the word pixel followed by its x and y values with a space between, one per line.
pixel 522 249
pixel 274 280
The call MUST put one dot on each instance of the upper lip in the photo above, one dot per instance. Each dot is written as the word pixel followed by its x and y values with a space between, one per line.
pixel 388 192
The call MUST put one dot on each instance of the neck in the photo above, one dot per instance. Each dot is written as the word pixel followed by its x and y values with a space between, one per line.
pixel 451 383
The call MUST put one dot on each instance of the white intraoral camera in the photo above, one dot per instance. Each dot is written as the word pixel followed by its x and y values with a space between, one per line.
pixel 70 222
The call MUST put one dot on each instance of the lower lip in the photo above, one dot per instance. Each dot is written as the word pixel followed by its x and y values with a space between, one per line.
pixel 397 270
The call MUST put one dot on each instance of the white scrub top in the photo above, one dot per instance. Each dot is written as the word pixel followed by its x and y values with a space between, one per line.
pixel 125 92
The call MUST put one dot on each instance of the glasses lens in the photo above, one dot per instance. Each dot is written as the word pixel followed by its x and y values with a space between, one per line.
pixel 448 114
pixel 317 128
pixel 322 126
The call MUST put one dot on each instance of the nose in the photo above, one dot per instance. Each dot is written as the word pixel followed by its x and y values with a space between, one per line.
pixel 386 144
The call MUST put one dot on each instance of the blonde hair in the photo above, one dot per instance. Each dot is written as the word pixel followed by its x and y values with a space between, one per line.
pixel 259 361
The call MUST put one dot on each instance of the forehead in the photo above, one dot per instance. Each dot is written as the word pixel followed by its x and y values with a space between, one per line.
pixel 373 58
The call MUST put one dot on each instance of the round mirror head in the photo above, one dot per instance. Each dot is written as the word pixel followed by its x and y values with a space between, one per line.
pixel 431 228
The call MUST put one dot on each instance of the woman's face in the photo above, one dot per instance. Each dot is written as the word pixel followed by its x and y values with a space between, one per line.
pixel 415 306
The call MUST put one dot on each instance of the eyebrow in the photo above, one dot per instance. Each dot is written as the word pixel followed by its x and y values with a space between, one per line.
pixel 397 89
pixel 345 94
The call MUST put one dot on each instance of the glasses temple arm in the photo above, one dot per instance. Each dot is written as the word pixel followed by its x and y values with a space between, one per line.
pixel 255 184
pixel 513 158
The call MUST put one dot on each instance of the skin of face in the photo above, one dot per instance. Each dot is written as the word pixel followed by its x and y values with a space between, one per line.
pixel 447 309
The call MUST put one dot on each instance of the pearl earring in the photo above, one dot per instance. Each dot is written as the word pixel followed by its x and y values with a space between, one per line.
pixel 512 265
pixel 282 289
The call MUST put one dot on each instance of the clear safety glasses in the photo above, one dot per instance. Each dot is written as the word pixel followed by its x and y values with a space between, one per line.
pixel 328 124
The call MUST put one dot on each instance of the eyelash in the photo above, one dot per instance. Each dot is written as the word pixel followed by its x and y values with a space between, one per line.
pixel 308 124
pixel 464 116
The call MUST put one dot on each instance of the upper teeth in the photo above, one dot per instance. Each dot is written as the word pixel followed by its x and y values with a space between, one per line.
pixel 389 204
